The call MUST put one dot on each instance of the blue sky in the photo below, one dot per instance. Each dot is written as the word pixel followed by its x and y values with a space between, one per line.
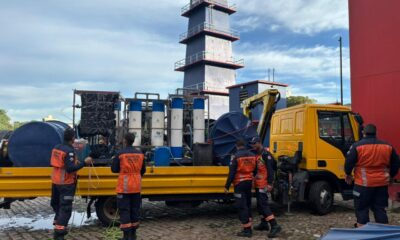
pixel 48 48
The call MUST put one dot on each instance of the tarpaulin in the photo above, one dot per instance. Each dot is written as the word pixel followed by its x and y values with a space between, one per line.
pixel 370 231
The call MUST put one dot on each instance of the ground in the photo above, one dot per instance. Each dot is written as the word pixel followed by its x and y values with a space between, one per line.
pixel 32 219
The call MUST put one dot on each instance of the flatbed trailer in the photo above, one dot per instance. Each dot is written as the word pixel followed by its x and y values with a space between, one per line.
pixel 171 184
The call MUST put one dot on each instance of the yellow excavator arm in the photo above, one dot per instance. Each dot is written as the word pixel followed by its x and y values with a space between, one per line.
pixel 268 98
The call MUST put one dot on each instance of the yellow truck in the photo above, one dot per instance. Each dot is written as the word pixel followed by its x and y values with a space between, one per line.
pixel 171 184
pixel 309 143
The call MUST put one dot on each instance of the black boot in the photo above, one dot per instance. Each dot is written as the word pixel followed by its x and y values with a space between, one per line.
pixel 263 226
pixel 246 232
pixel 126 236
pixel 58 235
pixel 275 229
pixel 133 234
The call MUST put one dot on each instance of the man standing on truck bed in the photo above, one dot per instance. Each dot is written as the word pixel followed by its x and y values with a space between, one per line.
pixel 64 179
pixel 263 184
pixel 374 163
pixel 129 163
pixel 242 170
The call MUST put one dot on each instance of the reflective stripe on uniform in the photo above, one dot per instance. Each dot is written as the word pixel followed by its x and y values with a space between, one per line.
pixel 68 197
pixel 247 225
pixel 387 175
pixel 270 217
pixel 356 194
pixel 237 195
pixel 125 184
pixel 62 176
pixel 364 176
pixel 125 225
pixel 135 224
pixel 261 190
pixel 59 227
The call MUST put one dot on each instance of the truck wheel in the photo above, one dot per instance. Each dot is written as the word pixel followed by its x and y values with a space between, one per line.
pixel 106 210
pixel 321 197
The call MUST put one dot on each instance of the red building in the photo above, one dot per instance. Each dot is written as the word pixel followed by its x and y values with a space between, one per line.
pixel 375 64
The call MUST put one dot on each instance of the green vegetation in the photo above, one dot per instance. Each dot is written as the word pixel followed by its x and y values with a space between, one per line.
pixel 297 100
pixel 5 121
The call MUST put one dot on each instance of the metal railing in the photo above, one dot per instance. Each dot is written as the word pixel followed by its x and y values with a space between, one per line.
pixel 207 56
pixel 195 3
pixel 203 87
pixel 207 27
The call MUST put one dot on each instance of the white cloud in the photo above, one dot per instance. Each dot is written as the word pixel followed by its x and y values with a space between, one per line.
pixel 299 16
pixel 316 62
pixel 48 48
pixel 44 56
pixel 312 71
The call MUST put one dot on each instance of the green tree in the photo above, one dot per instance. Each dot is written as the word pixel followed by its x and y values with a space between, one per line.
pixel 296 100
pixel 5 120
pixel 18 124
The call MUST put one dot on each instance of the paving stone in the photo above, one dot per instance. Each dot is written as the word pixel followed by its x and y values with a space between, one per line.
pixel 210 221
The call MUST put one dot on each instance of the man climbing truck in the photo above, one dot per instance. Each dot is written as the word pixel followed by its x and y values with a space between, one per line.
pixel 308 142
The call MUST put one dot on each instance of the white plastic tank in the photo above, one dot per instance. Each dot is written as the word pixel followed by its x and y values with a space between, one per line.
pixel 198 120
pixel 135 120
pixel 176 127
pixel 157 124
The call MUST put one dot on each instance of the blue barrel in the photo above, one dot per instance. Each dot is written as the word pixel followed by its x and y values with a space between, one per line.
pixel 31 144
pixel 162 156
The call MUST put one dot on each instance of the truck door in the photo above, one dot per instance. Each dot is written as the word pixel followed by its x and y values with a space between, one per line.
pixel 334 138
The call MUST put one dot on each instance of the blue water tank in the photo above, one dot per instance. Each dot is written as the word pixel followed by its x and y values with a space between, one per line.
pixel 162 156
pixel 31 144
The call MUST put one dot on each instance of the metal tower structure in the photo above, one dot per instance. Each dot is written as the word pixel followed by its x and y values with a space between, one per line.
pixel 209 65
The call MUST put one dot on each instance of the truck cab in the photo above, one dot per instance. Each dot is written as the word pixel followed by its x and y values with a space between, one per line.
pixel 310 143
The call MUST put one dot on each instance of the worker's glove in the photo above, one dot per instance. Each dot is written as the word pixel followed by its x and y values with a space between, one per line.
pixel 349 179
pixel 269 188
pixel 88 161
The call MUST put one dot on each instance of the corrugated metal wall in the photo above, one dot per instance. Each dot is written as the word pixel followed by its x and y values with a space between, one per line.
pixel 375 64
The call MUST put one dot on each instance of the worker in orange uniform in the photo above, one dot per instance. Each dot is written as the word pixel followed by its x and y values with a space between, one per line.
pixel 374 163
pixel 64 178
pixel 129 163
pixel 263 184
pixel 242 170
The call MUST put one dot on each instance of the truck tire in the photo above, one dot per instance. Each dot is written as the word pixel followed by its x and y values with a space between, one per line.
pixel 106 210
pixel 321 197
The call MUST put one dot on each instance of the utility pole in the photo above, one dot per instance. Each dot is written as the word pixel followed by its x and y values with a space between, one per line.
pixel 341 70
pixel 273 74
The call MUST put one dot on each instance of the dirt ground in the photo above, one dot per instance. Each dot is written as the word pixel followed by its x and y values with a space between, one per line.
pixel 32 220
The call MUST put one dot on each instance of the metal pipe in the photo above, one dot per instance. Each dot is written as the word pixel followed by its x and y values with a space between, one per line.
pixel 73 109
pixel 341 71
